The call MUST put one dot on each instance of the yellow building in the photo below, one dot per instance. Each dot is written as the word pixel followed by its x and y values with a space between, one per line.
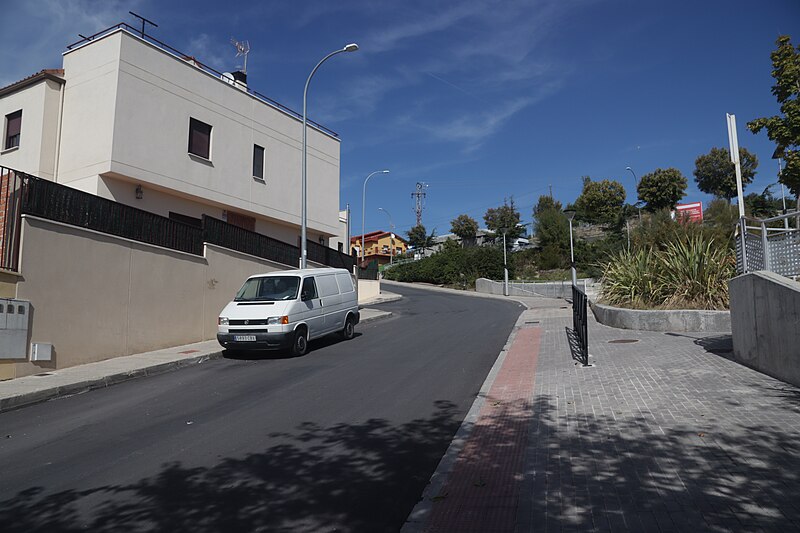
pixel 380 245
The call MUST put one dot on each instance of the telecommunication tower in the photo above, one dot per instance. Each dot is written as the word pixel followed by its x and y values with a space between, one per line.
pixel 419 200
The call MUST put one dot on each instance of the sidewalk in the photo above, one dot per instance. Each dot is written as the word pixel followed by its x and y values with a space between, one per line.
pixel 77 379
pixel 663 433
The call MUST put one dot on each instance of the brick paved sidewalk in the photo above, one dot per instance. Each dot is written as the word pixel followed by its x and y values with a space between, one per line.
pixel 661 434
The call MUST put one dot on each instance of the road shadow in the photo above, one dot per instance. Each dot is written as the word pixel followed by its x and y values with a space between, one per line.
pixel 343 477
pixel 716 344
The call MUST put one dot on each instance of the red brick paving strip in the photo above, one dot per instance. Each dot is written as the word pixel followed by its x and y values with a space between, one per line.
pixel 482 490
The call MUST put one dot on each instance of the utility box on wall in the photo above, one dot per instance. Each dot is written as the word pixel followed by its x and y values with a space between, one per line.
pixel 14 324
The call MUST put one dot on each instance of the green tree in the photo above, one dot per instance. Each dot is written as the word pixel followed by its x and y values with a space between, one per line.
pixel 552 232
pixel 466 228
pixel 419 238
pixel 545 203
pixel 784 129
pixel 601 201
pixel 505 219
pixel 662 189
pixel 715 174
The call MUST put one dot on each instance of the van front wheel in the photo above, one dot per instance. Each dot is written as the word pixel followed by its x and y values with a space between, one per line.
pixel 300 345
pixel 349 330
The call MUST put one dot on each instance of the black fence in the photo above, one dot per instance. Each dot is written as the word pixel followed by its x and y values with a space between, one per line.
pixel 221 233
pixel 328 256
pixel 368 272
pixel 580 325
pixel 22 193
pixel 56 202
pixel 11 190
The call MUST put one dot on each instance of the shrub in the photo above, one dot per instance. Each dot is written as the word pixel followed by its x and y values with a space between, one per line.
pixel 689 273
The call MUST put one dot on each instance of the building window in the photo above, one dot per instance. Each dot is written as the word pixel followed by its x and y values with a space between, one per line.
pixel 13 127
pixel 258 161
pixel 199 139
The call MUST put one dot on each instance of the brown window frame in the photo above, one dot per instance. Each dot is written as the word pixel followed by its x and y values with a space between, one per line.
pixel 200 138
pixel 13 135
pixel 258 162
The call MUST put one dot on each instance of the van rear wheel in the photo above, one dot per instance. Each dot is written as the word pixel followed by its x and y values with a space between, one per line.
pixel 300 344
pixel 349 330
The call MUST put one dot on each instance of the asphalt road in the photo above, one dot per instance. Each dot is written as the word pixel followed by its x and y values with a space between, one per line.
pixel 342 439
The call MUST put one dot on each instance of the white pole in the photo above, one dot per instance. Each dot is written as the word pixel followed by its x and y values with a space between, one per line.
pixel 505 267
pixel 572 257
pixel 733 143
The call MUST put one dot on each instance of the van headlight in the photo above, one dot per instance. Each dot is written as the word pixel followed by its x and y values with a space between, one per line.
pixel 277 320
pixel 222 321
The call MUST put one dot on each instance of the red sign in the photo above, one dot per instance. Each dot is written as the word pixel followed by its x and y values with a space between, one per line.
pixel 693 211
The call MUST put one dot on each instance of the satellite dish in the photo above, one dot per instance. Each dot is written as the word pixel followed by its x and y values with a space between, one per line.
pixel 227 77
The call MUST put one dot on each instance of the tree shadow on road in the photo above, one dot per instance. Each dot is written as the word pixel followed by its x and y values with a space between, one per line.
pixel 344 477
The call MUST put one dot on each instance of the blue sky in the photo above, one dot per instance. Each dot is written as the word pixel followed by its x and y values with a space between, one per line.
pixel 481 100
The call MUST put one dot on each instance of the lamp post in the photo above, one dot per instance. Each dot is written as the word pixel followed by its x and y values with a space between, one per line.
pixel 352 47
pixel 570 215
pixel 391 234
pixel 636 182
pixel 505 265
pixel 364 208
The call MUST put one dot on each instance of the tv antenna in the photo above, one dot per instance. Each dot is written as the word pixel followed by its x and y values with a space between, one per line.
pixel 144 21
pixel 419 200
pixel 242 49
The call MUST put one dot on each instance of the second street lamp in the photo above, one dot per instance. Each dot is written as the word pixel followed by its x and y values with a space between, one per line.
pixel 352 47
pixel 364 207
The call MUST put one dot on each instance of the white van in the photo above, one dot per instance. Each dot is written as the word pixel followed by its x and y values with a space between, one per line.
pixel 288 308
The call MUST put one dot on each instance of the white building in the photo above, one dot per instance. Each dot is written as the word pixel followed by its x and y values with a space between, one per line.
pixel 128 120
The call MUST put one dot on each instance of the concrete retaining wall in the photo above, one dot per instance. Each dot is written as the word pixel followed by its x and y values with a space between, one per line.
pixel 765 314
pixel 551 289
pixel 666 320
pixel 368 289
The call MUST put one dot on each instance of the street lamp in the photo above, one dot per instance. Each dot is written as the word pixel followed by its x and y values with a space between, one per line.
pixel 352 47
pixel 391 234
pixel 364 208
pixel 636 182
pixel 570 215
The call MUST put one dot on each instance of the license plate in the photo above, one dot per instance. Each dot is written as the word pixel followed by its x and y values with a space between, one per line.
pixel 244 338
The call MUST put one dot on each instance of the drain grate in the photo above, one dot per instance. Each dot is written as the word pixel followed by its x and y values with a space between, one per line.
pixel 43 374
pixel 623 341
pixel 531 321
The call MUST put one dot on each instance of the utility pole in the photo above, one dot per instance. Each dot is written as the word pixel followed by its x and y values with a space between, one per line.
pixel 419 200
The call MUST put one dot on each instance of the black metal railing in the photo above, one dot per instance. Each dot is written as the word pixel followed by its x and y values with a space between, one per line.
pixel 221 233
pixel 328 256
pixel 370 271
pixel 580 325
pixel 22 193
pixel 12 185
pixel 63 204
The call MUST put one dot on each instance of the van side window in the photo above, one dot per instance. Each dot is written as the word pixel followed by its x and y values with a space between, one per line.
pixel 345 282
pixel 309 288
pixel 327 285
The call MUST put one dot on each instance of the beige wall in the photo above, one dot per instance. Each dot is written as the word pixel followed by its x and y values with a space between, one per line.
pixel 96 296
pixel 36 152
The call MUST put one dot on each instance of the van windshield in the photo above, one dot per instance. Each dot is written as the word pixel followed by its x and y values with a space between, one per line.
pixel 268 289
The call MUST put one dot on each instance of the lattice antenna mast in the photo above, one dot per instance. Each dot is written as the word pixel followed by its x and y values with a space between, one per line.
pixel 419 200
pixel 242 49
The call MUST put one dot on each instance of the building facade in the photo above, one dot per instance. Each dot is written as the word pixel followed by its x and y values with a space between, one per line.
pixel 132 121
pixel 382 246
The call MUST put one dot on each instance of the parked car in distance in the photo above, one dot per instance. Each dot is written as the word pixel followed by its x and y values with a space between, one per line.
pixel 286 309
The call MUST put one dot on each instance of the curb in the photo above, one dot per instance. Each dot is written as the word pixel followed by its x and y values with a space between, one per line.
pixel 86 385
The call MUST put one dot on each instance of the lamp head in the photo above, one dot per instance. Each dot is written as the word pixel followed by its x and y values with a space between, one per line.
pixel 385 171
pixel 628 168
pixel 352 47
pixel 570 213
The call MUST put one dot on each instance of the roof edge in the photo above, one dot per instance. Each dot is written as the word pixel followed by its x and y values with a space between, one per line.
pixel 52 74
